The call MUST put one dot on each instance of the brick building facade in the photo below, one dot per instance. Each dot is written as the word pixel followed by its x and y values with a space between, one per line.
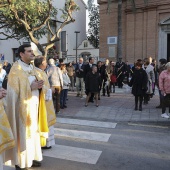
pixel 145 32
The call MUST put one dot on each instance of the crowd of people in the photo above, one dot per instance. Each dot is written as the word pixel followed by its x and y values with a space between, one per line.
pixel 32 93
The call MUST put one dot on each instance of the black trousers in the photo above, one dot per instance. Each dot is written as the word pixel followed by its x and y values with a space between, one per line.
pixel 140 99
pixel 120 81
pixel 166 103
pixel 146 98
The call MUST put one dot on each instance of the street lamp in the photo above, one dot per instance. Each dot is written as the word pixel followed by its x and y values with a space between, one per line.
pixel 76 42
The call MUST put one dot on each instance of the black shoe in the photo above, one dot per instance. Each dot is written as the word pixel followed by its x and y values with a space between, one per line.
pixel 103 95
pixel 18 168
pixel 65 106
pixel 61 107
pixel 108 95
pixel 136 108
pixel 36 164
pixel 46 147
pixel 140 108
pixel 99 98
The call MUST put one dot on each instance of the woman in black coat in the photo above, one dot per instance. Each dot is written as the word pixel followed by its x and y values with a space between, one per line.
pixel 93 84
pixel 139 85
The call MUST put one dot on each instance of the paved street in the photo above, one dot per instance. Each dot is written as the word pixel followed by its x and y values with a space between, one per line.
pixel 117 108
pixel 110 137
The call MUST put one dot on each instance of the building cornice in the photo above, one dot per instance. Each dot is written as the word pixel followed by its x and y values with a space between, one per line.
pixel 141 9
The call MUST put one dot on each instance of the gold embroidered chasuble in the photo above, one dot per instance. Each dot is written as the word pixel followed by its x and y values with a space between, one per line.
pixel 6 136
pixel 49 104
pixel 20 112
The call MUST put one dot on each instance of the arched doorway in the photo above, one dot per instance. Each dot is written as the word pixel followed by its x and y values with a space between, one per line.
pixel 164 39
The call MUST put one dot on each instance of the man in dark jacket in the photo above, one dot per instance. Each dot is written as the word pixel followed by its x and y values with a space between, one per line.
pixel 120 69
pixel 88 67
pixel 7 66
pixel 79 70
pixel 128 71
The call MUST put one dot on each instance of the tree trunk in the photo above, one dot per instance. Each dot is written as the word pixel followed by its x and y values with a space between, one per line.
pixel 119 44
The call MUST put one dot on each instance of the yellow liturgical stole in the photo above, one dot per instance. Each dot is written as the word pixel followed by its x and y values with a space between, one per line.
pixel 42 120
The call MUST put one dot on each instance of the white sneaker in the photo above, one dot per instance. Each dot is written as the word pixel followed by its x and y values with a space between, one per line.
pixel 165 115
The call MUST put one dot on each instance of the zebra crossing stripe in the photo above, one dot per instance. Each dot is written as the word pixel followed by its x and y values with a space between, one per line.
pixel 101 137
pixel 86 123
pixel 73 154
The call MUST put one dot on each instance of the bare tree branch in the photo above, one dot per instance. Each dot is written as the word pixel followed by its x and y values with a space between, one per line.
pixel 49 28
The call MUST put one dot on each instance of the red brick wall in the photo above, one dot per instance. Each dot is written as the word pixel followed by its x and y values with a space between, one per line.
pixel 140 29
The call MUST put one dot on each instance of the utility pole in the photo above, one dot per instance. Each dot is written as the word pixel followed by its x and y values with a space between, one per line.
pixel 77 32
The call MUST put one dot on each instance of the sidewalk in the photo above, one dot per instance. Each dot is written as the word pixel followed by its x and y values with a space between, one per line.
pixel 116 108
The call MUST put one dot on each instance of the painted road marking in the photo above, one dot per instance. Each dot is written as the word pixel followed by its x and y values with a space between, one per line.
pixel 73 154
pixel 152 126
pixel 86 123
pixel 101 137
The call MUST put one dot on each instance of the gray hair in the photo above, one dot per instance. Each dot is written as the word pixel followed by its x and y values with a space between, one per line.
pixel 51 61
pixel 167 65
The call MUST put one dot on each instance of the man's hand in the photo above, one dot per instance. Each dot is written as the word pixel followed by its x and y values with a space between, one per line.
pixel 37 85
pixel 3 93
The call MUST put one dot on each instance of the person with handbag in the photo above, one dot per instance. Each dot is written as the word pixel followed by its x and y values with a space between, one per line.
pixel 55 79
pixel 164 87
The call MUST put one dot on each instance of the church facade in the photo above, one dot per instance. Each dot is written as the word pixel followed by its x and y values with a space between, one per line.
pixel 145 30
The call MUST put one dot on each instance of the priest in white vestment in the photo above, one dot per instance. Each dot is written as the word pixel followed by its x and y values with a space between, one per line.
pixel 23 102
